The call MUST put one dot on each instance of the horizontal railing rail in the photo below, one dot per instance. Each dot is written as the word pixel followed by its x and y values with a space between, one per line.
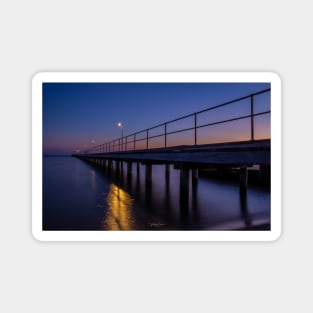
pixel 122 143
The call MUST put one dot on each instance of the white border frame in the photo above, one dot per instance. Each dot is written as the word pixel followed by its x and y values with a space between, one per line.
pixel 221 235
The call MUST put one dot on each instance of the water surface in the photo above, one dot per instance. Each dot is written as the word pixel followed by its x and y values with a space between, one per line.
pixel 80 196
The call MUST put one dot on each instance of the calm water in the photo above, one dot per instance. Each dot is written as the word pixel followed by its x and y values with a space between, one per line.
pixel 79 196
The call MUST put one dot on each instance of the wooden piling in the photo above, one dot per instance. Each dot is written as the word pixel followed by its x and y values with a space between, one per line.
pixel 117 168
pixel 138 169
pixel 129 170
pixel 121 168
pixel 243 180
pixel 195 176
pixel 184 184
pixel 167 173
pixel 148 174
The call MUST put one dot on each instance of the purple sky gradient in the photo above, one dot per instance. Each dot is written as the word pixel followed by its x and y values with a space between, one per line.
pixel 81 115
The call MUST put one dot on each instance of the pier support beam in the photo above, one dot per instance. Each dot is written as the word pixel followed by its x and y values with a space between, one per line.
pixel 138 169
pixel 148 174
pixel 184 184
pixel 265 174
pixel 121 168
pixel 117 168
pixel 243 180
pixel 129 170
pixel 167 173
pixel 194 184
pixel 195 176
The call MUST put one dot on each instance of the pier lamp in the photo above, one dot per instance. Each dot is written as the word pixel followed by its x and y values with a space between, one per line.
pixel 119 124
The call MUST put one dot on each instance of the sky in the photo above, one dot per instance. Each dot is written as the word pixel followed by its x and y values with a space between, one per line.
pixel 79 116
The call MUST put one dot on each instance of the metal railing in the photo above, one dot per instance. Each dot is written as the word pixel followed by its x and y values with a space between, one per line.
pixel 122 143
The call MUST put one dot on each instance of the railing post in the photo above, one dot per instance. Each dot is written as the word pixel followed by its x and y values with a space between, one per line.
pixel 252 117
pixel 195 129
pixel 147 138
pixel 135 142
pixel 165 133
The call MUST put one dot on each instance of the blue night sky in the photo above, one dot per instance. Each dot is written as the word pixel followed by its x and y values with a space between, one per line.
pixel 80 115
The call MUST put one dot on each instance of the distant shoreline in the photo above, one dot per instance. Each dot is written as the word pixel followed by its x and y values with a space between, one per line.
pixel 56 155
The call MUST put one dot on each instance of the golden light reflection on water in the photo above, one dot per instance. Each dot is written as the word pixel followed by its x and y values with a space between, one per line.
pixel 119 214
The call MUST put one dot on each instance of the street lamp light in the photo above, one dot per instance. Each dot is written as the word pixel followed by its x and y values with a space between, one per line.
pixel 119 124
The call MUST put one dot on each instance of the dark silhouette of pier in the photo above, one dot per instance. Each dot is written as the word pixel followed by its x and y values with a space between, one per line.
pixel 188 159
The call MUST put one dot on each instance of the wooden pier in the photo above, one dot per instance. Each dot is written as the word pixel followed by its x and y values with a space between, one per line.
pixel 188 159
